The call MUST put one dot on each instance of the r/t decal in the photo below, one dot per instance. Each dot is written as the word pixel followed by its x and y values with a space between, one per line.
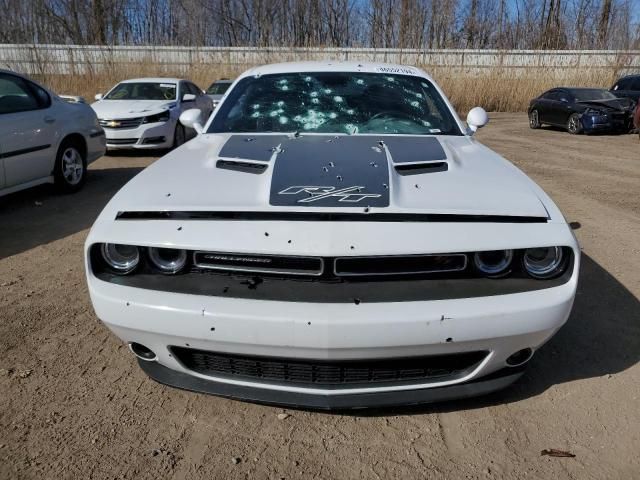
pixel 314 193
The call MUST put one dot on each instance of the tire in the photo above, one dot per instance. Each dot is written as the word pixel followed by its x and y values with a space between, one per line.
pixel 574 125
pixel 534 120
pixel 70 170
pixel 179 136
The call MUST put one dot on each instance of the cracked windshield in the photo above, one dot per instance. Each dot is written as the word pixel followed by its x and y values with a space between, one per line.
pixel 330 102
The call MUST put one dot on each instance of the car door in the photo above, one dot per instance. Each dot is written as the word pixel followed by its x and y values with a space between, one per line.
pixel 545 106
pixel 28 137
pixel 563 107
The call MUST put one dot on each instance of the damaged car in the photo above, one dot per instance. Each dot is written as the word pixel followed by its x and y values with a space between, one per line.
pixel 142 113
pixel 579 110
pixel 335 237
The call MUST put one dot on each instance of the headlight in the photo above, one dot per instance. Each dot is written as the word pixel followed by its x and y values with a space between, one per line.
pixel 544 262
pixel 493 262
pixel 168 260
pixel 159 117
pixel 597 113
pixel 121 258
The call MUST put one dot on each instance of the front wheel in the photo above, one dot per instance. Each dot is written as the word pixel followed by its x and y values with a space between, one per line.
pixel 534 119
pixel 70 171
pixel 574 126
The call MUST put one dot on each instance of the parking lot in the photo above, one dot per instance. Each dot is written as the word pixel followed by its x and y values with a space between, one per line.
pixel 74 404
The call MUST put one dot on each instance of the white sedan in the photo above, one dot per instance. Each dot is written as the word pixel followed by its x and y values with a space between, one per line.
pixel 43 138
pixel 335 237
pixel 143 113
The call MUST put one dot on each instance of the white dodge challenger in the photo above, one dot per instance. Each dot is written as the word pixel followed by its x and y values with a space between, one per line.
pixel 333 238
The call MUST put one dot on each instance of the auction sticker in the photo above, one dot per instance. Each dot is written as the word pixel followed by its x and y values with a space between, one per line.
pixel 401 70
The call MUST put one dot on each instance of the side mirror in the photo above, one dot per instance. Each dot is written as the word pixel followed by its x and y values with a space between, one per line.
pixel 188 97
pixel 98 96
pixel 477 118
pixel 192 118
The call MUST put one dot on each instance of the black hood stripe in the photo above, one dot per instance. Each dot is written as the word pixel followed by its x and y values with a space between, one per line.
pixel 331 171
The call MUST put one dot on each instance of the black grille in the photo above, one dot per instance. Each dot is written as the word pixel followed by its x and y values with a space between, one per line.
pixel 121 123
pixel 329 267
pixel 259 263
pixel 122 141
pixel 336 374
pixel 399 265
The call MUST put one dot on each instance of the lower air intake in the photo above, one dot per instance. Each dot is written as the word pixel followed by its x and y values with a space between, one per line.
pixel 329 374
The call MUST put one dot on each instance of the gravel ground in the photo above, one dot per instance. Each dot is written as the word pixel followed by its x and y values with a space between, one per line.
pixel 74 404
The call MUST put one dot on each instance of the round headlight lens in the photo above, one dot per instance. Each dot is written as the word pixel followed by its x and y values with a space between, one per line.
pixel 121 258
pixel 544 262
pixel 168 260
pixel 494 262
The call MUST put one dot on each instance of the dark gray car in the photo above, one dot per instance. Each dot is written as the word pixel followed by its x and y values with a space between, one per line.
pixel 627 87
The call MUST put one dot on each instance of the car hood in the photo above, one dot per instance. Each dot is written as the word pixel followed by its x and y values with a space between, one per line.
pixel 130 108
pixel 453 175
pixel 618 104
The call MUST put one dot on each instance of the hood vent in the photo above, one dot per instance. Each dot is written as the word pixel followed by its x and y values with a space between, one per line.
pixel 420 168
pixel 414 149
pixel 252 147
pixel 244 167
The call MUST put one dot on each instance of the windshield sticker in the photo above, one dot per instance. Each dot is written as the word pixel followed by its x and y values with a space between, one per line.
pixel 402 70
pixel 167 85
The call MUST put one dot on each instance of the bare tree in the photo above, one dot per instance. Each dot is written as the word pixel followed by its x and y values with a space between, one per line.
pixel 422 24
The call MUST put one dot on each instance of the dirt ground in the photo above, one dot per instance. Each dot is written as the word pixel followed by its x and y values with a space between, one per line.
pixel 74 404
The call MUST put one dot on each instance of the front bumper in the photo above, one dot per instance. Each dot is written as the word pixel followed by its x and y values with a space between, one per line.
pixel 592 123
pixel 481 386
pixel 500 325
pixel 146 136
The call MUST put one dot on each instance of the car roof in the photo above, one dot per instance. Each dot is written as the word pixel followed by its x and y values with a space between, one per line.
pixel 26 77
pixel 335 66
pixel 223 80
pixel 154 80
pixel 12 72
pixel 575 89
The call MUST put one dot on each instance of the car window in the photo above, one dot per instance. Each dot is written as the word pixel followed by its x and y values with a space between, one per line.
pixel 143 91
pixel 622 84
pixel 195 90
pixel 550 95
pixel 18 95
pixel 218 88
pixel 335 102
pixel 591 94
pixel 188 88
pixel 635 84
